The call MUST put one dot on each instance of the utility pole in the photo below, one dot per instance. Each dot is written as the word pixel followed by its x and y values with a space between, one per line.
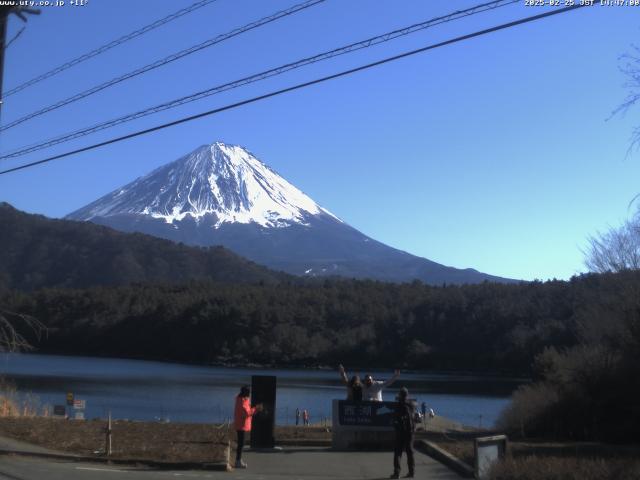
pixel 4 14
pixel 5 10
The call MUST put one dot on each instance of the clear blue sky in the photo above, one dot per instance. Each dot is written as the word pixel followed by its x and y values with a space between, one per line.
pixel 494 153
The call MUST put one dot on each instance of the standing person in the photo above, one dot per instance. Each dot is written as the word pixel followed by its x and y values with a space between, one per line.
pixel 355 389
pixel 355 380
pixel 242 420
pixel 372 389
pixel 305 417
pixel 297 416
pixel 423 407
pixel 404 424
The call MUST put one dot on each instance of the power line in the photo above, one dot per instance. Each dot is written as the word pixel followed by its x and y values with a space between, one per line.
pixel 369 42
pixel 164 61
pixel 108 46
pixel 15 37
pixel 300 86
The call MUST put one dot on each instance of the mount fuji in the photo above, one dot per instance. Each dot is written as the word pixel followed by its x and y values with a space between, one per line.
pixel 223 195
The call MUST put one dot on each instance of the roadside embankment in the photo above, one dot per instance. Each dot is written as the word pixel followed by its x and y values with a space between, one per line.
pixel 146 441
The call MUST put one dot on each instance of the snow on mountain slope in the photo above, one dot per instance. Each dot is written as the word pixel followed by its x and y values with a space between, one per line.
pixel 222 180
pixel 223 195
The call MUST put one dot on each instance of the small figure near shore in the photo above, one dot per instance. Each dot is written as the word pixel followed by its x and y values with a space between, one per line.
pixel 243 413
pixel 297 416
pixel 404 424
pixel 305 417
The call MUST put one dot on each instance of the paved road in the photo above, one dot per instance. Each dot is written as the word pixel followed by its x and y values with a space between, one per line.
pixel 291 463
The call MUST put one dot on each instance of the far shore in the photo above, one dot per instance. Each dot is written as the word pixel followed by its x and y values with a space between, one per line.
pixel 487 375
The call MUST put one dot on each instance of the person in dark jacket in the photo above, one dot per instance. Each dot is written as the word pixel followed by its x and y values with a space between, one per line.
pixel 404 424
pixel 355 389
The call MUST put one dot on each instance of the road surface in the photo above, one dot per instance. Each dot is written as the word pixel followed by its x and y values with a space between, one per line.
pixel 293 463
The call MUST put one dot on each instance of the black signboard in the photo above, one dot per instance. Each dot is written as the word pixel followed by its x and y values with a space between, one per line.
pixel 366 414
pixel 263 390
pixel 59 410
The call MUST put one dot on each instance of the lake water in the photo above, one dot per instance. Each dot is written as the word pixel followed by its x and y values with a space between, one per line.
pixel 143 390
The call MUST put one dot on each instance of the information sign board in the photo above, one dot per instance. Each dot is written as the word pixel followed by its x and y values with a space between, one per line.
pixel 366 414
pixel 59 410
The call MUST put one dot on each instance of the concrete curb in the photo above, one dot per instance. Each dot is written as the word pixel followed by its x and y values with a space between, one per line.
pixel 304 443
pixel 221 466
pixel 445 457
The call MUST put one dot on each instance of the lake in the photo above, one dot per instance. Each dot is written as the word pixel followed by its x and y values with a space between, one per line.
pixel 144 390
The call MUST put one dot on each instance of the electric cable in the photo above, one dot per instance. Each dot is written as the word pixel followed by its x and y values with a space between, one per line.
pixel 300 86
pixel 15 37
pixel 164 61
pixel 369 42
pixel 108 46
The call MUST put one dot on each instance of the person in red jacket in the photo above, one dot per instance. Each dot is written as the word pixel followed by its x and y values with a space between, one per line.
pixel 242 420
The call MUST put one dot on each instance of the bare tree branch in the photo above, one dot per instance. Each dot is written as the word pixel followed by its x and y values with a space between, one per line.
pixel 630 67
pixel 11 327
pixel 615 250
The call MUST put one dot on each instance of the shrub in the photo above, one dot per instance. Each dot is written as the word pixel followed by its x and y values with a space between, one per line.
pixel 531 411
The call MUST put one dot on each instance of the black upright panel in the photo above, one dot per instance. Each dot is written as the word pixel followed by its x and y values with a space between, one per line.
pixel 263 390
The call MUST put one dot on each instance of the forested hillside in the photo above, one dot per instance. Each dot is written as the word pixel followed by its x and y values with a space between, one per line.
pixel 486 327
pixel 36 252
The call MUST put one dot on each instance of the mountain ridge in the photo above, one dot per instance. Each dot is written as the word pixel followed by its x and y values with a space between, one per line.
pixel 37 252
pixel 222 194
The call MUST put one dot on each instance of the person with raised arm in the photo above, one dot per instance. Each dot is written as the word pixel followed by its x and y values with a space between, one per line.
pixel 372 389
pixel 355 388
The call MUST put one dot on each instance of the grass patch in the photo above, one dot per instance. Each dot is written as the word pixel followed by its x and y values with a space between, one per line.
pixel 164 442
pixel 535 467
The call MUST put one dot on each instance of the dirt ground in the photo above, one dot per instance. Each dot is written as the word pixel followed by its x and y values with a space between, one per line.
pixel 207 443
pixel 164 442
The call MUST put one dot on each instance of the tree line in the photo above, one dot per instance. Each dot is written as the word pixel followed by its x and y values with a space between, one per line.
pixel 578 340
pixel 483 327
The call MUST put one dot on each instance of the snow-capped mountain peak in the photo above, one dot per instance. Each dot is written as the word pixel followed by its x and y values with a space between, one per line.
pixel 225 181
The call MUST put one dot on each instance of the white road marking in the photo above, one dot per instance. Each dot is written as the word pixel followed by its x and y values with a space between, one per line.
pixel 101 469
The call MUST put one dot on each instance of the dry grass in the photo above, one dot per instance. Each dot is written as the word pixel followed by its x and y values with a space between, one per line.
pixel 543 460
pixel 169 442
pixel 8 407
pixel 461 448
pixel 11 405
pixel 566 468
